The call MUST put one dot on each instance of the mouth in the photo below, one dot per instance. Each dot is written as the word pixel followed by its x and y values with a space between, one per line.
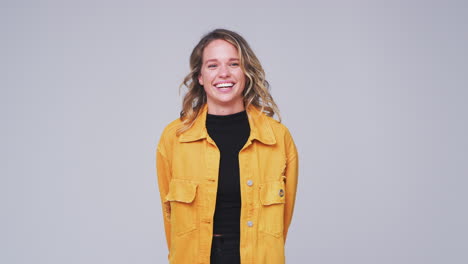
pixel 224 85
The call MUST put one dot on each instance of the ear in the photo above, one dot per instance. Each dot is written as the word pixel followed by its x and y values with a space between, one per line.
pixel 200 79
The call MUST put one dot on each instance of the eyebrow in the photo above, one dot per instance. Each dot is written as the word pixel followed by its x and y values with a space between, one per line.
pixel 213 60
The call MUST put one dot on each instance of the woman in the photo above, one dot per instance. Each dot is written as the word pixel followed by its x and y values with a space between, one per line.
pixel 227 171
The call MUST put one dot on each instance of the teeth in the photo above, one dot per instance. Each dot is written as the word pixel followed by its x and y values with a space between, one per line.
pixel 222 85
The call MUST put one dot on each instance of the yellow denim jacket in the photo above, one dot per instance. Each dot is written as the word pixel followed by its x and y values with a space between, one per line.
pixel 187 169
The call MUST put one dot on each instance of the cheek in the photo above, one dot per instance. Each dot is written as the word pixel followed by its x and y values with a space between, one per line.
pixel 202 78
pixel 242 79
pixel 240 76
pixel 206 77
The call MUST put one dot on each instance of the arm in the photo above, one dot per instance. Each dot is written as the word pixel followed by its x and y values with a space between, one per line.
pixel 291 173
pixel 164 176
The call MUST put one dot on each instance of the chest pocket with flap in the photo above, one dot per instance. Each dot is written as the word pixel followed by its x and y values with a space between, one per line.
pixel 184 214
pixel 272 197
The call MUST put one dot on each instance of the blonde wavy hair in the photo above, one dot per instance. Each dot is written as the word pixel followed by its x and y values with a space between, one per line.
pixel 256 91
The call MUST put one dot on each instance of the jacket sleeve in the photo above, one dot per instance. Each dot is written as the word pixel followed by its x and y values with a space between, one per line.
pixel 164 174
pixel 291 173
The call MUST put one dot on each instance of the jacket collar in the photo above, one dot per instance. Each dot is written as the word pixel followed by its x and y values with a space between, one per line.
pixel 260 128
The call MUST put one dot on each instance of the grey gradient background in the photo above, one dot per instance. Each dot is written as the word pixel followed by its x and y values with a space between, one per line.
pixel 374 93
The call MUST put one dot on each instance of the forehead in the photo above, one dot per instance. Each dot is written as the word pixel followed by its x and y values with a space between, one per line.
pixel 219 50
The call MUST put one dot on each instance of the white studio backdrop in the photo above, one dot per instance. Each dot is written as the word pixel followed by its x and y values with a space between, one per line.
pixel 374 93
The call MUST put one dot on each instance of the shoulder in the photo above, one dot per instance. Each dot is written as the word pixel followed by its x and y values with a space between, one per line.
pixel 169 135
pixel 278 128
pixel 283 136
pixel 171 128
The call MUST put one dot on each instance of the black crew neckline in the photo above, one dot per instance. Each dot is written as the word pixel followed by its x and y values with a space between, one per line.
pixel 230 116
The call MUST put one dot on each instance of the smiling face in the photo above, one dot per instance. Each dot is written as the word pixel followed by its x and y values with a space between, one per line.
pixel 222 78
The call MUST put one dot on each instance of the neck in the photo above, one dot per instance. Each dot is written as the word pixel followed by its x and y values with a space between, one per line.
pixel 215 109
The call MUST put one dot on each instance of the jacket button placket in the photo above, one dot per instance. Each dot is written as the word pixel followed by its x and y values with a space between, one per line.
pixel 212 165
pixel 247 217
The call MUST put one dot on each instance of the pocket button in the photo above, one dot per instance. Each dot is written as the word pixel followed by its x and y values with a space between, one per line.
pixel 281 193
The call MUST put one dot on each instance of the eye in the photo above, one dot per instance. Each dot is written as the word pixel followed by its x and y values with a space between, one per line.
pixel 211 66
pixel 235 64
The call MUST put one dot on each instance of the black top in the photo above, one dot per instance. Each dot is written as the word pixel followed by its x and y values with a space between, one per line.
pixel 230 133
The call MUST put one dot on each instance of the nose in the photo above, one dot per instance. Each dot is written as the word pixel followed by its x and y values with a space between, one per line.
pixel 224 71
